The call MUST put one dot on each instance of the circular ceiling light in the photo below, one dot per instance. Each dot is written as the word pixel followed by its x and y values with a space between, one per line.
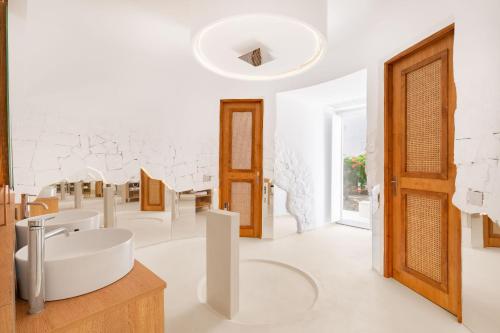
pixel 258 46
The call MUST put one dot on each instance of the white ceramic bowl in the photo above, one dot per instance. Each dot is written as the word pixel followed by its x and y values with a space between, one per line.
pixel 80 263
pixel 73 220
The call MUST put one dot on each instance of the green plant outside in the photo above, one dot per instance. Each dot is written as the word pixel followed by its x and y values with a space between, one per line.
pixel 355 173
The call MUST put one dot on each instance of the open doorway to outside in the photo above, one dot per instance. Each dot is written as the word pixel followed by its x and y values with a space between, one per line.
pixel 350 197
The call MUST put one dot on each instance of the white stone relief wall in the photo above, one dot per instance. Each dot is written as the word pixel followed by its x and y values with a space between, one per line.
pixel 477 117
pixel 294 177
pixel 55 154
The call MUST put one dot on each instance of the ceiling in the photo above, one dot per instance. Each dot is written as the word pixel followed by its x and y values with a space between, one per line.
pixel 293 46
pixel 349 89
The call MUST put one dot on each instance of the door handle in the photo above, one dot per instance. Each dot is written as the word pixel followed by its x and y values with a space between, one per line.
pixel 394 183
pixel 257 177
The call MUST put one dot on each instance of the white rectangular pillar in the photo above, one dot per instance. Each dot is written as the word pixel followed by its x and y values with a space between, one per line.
pixel 122 191
pixel 63 190
pixel 477 233
pixel 78 194
pixel 109 207
pixel 223 259
pixel 174 204
pixel 267 210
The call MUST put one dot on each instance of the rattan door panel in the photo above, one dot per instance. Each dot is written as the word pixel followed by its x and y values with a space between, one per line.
pixel 424 94
pixel 241 202
pixel 240 163
pixel 423 243
pixel 241 140
pixel 425 236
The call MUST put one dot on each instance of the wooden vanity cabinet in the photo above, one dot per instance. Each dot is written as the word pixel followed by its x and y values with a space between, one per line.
pixel 7 245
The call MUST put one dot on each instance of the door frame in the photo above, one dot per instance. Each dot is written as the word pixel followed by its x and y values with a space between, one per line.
pixel 257 157
pixel 5 153
pixel 389 155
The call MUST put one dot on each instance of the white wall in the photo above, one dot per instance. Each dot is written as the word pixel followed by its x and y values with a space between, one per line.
pixel 279 202
pixel 301 129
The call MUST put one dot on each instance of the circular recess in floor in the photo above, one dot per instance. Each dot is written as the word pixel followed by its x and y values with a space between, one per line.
pixel 271 292
pixel 146 219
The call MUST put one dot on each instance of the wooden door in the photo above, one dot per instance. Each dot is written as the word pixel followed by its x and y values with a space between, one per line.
pixel 152 194
pixel 7 248
pixel 422 225
pixel 4 119
pixel 240 164
pixel 491 233
pixel 99 189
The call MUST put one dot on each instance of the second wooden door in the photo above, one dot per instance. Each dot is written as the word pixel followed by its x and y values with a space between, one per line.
pixel 240 164
pixel 423 227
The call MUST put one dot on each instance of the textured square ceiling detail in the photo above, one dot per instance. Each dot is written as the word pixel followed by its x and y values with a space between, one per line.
pixel 256 57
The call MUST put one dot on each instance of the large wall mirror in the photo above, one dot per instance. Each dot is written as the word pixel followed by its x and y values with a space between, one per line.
pixel 480 273
pixel 150 208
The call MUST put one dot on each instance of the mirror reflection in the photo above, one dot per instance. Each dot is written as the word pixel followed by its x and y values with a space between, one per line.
pixel 480 272
pixel 150 208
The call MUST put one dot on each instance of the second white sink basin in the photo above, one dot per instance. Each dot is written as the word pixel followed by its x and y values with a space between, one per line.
pixel 72 219
pixel 81 262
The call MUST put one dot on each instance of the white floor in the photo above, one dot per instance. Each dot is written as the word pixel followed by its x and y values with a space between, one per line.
pixel 354 219
pixel 284 226
pixel 329 286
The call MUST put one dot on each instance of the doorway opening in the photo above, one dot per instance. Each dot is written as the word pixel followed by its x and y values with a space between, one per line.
pixel 350 195
pixel 317 128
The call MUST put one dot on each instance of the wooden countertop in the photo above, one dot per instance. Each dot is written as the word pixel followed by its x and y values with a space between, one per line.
pixel 139 282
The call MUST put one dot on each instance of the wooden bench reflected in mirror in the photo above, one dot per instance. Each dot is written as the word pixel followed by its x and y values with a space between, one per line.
pixel 491 233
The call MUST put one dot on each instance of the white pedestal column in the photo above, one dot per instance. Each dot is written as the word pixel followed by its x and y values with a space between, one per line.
pixel 223 233
pixel 174 204
pixel 78 195
pixel 63 191
pixel 267 210
pixel 476 222
pixel 109 207
pixel 122 190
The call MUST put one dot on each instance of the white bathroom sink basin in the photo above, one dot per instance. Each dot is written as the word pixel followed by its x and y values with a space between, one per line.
pixel 81 262
pixel 73 220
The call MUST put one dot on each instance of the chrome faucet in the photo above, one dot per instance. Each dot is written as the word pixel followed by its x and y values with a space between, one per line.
pixel 34 203
pixel 36 261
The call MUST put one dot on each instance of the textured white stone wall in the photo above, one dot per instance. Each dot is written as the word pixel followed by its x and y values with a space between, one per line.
pixel 51 152
pixel 477 118
pixel 293 176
